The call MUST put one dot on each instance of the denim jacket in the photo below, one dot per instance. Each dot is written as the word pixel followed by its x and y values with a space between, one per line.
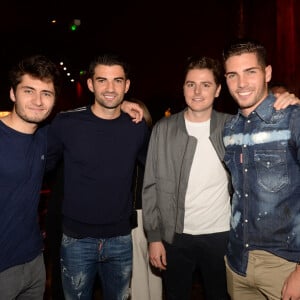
pixel 262 152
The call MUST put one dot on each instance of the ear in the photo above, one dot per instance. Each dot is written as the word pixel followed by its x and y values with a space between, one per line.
pixel 268 71
pixel 218 91
pixel 90 85
pixel 12 95
pixel 127 85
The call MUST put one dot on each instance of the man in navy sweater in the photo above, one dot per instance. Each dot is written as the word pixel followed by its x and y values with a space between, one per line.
pixel 23 145
pixel 100 146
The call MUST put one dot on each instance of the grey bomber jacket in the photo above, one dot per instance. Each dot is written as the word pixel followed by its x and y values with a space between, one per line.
pixel 169 159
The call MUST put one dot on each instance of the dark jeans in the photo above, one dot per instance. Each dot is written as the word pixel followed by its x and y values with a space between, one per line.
pixel 190 253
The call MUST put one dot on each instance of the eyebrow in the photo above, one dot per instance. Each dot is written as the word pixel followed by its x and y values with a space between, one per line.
pixel 100 77
pixel 246 70
pixel 191 81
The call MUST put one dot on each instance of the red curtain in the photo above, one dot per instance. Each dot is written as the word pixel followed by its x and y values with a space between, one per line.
pixel 286 43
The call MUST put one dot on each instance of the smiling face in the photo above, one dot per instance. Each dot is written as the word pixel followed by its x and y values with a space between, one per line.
pixel 34 100
pixel 200 90
pixel 109 85
pixel 247 80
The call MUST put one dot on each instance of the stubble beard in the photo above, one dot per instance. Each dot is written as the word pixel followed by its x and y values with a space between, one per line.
pixel 109 105
pixel 35 119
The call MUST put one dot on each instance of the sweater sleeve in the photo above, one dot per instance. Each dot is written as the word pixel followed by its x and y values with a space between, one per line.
pixel 54 145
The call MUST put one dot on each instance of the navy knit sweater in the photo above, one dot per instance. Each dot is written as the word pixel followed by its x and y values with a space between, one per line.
pixel 22 163
pixel 99 159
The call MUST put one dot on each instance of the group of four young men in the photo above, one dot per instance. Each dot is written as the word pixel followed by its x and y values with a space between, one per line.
pixel 186 193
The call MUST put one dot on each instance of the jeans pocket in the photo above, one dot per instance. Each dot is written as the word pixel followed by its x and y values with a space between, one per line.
pixel 67 240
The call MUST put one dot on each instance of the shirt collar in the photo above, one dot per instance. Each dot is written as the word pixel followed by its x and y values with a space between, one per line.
pixel 264 111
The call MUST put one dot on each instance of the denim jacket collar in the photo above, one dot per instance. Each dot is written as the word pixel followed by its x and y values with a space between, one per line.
pixel 265 111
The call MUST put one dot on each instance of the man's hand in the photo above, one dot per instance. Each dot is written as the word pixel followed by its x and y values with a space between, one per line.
pixel 283 100
pixel 133 109
pixel 157 255
pixel 291 287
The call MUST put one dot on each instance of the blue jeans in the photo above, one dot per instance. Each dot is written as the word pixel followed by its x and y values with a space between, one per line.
pixel 82 259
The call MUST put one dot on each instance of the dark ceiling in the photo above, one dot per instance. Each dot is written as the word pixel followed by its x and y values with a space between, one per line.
pixel 137 27
pixel 156 36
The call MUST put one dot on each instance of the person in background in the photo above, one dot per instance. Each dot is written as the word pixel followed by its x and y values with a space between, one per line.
pixel 35 84
pixel 100 146
pixel 146 281
pixel 278 88
pixel 168 112
pixel 262 152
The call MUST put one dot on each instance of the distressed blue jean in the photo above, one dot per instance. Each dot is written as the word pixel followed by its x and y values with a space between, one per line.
pixel 82 259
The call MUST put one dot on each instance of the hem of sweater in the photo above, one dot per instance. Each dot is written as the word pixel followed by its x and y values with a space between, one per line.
pixel 21 262
pixel 77 229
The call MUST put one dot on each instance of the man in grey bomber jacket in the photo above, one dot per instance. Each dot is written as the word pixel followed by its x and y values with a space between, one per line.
pixel 186 200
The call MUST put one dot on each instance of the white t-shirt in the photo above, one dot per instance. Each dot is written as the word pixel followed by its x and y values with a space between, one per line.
pixel 207 201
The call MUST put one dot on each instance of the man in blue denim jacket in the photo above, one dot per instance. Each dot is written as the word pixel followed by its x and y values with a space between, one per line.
pixel 263 156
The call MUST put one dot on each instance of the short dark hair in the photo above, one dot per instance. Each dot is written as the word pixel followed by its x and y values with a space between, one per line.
pixel 37 66
pixel 204 62
pixel 109 59
pixel 240 46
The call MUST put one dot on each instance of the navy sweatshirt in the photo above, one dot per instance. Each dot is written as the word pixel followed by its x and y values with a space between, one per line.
pixel 22 164
pixel 99 159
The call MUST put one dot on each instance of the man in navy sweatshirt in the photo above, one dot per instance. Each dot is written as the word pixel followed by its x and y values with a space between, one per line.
pixel 100 146
pixel 35 83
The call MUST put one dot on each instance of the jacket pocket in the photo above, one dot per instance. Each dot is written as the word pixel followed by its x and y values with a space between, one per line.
pixel 165 190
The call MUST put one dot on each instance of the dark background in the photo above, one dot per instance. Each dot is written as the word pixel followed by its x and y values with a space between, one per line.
pixel 156 36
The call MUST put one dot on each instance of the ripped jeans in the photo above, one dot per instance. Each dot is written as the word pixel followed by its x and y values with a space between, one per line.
pixel 82 259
